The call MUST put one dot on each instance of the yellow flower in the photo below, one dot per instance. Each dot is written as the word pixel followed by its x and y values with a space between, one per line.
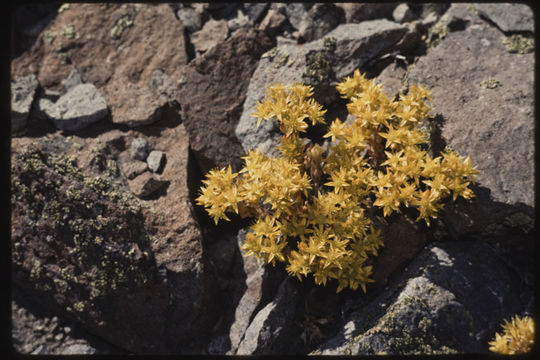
pixel 517 337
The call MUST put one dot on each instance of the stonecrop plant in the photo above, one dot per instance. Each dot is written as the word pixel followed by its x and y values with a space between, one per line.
pixel 309 204
pixel 517 336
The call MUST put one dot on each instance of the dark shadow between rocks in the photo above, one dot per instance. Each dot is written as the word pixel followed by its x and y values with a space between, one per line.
pixel 162 191
pixel 28 302
pixel 170 118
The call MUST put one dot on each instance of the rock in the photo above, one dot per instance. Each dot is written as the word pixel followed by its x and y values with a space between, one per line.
pixel 139 149
pixel 457 17
pixel 261 285
pixel 73 79
pixel 272 22
pixel 396 252
pixel 296 12
pixel 256 11
pixel 78 349
pixel 84 249
pixel 145 184
pixel 320 19
pixel 211 95
pixel 508 17
pixel 212 33
pixel 358 12
pixel 116 47
pixel 320 63
pixel 241 20
pixel 190 18
pixel 194 306
pixel 163 85
pixel 501 144
pixel 23 91
pixel 156 161
pixel 81 106
pixel 270 330
pixel 450 299
pixel 391 79
pixel 402 13
pixel 132 169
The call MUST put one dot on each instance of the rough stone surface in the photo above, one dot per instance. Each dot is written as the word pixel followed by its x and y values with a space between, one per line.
pixel 41 331
pixel 261 283
pixel 241 20
pixel 190 18
pixel 156 161
pixel 133 168
pixel 81 106
pixel 440 304
pixel 23 91
pixel 402 13
pixel 72 80
pixel 320 19
pixel 83 251
pixel 212 33
pixel 358 12
pixel 139 149
pixel 403 240
pixel 296 13
pixel 508 17
pixel 499 139
pixel 272 22
pixel 391 79
pixel 269 332
pixel 179 299
pixel 116 47
pixel 211 95
pixel 145 184
pixel 355 46
pixel 256 11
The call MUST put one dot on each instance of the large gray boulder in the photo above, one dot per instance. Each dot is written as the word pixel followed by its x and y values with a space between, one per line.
pixel 485 96
pixel 321 63
pixel 270 330
pixel 450 299
pixel 81 106
pixel 508 17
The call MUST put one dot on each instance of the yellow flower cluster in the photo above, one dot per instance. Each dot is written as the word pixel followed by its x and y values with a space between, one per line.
pixel 309 203
pixel 517 337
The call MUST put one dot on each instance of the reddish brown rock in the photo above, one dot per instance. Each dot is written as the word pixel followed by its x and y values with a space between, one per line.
pixel 212 92
pixel 179 295
pixel 403 240
pixel 115 47
pixel 213 32
pixel 485 96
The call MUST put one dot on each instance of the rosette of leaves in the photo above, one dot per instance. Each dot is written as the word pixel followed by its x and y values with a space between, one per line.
pixel 309 204
pixel 517 336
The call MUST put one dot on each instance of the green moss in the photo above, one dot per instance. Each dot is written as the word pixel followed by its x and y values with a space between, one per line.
pixel 317 66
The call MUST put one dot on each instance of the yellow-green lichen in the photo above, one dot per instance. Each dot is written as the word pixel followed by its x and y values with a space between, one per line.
pixel 122 24
pixel 490 83
pixel 69 32
pixel 49 36
pixel 518 43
